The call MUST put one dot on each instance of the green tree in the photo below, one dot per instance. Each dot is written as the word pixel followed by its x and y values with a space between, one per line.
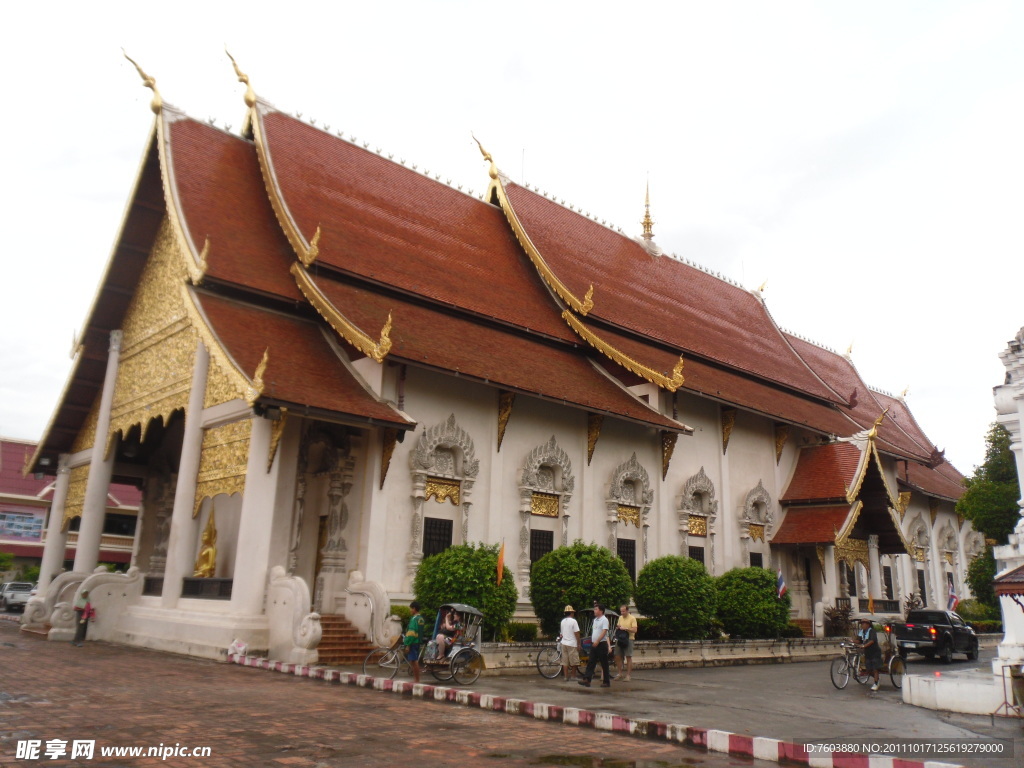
pixel 749 605
pixel 990 501
pixel 467 573
pixel 980 574
pixel 6 562
pixel 679 594
pixel 577 576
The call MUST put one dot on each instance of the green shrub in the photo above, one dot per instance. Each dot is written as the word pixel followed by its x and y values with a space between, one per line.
pixel 29 573
pixel 975 610
pixel 981 572
pixel 523 631
pixel 576 575
pixel 748 604
pixel 679 594
pixel 403 613
pixel 467 573
pixel 792 630
pixel 986 627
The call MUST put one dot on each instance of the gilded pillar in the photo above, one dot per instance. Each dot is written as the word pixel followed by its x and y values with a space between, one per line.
pixel 101 467
pixel 56 539
pixel 181 541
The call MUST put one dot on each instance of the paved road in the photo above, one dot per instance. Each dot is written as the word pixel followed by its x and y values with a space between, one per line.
pixel 122 696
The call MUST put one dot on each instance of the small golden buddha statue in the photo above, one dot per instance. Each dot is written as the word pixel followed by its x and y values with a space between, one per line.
pixel 206 563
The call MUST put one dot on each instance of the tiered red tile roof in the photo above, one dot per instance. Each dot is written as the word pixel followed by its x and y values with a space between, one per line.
pixel 811 525
pixel 823 472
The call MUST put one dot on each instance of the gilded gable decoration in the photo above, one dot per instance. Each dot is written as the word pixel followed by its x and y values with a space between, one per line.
pixel 852 551
pixel 253 392
pixel 758 513
pixel 276 432
pixel 627 513
pixel 728 422
pixel 668 446
pixel 505 402
pixel 594 422
pixel 223 462
pixel 544 504
pixel 757 532
pixel 444 459
pixel 389 438
pixel 75 500
pixel 903 503
pixel 781 436
pixel 933 508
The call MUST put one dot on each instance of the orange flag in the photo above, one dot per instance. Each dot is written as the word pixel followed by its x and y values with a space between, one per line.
pixel 501 562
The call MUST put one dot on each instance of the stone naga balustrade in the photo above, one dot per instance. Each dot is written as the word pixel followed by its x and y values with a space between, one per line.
pixel 369 610
pixel 110 594
pixel 294 631
pixel 55 607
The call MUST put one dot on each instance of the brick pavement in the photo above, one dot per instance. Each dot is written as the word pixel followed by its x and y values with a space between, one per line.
pixel 123 696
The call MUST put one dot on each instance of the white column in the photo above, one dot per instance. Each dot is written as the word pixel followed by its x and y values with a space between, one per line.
pixel 87 553
pixel 256 524
pixel 56 538
pixel 874 570
pixel 181 541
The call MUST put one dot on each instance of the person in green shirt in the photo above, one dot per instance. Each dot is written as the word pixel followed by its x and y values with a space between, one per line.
pixel 414 639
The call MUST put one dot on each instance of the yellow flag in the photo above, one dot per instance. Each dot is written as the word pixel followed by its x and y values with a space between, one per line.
pixel 871 605
pixel 501 563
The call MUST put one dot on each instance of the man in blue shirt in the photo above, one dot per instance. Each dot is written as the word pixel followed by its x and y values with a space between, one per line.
pixel 599 649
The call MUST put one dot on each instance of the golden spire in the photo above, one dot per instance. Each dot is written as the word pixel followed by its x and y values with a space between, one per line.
pixel 763 286
pixel 253 393
pixel 149 82
pixel 647 221
pixel 905 392
pixel 493 170
pixel 878 422
pixel 848 354
pixel 250 94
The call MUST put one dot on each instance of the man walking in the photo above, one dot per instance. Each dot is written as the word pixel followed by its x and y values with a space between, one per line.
pixel 624 643
pixel 569 637
pixel 599 649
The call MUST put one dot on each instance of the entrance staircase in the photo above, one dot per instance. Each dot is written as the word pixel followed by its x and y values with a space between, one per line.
pixel 341 644
pixel 806 625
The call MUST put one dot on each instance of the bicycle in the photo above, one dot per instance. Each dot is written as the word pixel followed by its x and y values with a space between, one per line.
pixel 385 662
pixel 850 663
pixel 551 661
pixel 895 664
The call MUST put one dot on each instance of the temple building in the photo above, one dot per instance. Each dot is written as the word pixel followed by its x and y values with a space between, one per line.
pixel 321 365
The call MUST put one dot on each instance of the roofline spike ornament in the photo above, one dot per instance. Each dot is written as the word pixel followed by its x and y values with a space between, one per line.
pixel 905 392
pixel 762 287
pixel 878 422
pixel 848 354
pixel 250 94
pixel 157 103
pixel 257 379
pixel 313 251
pixel 648 222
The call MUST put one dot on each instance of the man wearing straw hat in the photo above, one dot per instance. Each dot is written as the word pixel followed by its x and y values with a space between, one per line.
pixel 569 637
pixel 872 650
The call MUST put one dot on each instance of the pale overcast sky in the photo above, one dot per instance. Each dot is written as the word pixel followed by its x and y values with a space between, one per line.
pixel 864 158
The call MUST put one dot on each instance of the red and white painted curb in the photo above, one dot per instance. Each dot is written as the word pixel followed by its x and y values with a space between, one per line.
pixel 785 752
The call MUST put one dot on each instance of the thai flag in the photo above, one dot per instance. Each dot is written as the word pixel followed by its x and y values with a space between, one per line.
pixel 954 601
pixel 780 585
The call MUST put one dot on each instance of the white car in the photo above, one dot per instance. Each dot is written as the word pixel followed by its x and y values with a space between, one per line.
pixel 15 594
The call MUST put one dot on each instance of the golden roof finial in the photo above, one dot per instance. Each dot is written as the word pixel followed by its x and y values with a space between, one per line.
pixel 763 286
pixel 493 170
pixel 257 379
pixel 878 422
pixel 905 392
pixel 647 221
pixel 250 94
pixel 313 252
pixel 849 351
pixel 149 82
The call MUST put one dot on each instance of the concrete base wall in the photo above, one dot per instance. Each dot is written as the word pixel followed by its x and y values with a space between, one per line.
pixel 190 631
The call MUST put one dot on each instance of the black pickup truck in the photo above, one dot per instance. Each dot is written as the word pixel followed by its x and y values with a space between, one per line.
pixel 935 633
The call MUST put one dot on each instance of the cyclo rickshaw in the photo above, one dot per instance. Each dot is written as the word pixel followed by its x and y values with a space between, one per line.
pixel 549 661
pixel 460 661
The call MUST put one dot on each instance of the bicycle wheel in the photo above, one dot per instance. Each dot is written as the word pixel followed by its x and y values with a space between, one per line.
pixel 840 672
pixel 860 671
pixel 549 663
pixel 467 665
pixel 382 662
pixel 896 669
pixel 442 672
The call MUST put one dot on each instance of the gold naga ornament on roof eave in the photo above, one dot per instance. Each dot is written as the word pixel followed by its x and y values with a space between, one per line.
pixel 498 189
pixel 376 350
pixel 649 374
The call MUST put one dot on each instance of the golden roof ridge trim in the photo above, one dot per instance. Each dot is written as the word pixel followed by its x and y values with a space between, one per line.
pixel 195 263
pixel 228 364
pixel 304 251
pixel 376 350
pixel 649 374
pixel 533 253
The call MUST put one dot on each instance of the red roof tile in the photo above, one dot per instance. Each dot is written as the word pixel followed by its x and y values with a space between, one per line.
pixel 302 368
pixel 222 197
pixel 1011 583
pixel 811 525
pixel 841 375
pixel 929 481
pixel 823 472
pixel 662 298
pixel 391 225
pixel 488 353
